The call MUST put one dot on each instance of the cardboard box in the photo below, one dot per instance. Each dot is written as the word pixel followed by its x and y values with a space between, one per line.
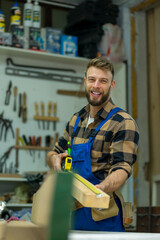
pixel 52 39
pixel 2 229
pixel 33 39
pixel 17 36
pixel 48 212
pixel 69 45
pixel 1 38
pixel 51 210
pixel 18 230
pixel 7 39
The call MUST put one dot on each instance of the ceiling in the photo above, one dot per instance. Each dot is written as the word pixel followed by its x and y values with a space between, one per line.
pixel 74 3
pixel 63 3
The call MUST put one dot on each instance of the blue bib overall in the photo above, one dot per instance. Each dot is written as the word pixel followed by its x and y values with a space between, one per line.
pixel 81 163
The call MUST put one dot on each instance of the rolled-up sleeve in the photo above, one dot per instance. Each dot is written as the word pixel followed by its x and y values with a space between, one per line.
pixel 124 146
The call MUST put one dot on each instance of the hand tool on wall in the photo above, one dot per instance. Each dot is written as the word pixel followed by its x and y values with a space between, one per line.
pixel 17 151
pixel 9 126
pixel 1 117
pixel 42 113
pixel 26 142
pixel 47 144
pixel 8 94
pixel 20 105
pixel 39 144
pixel 21 141
pixel 30 144
pixel 37 113
pixel 24 108
pixel 15 98
pixel 4 158
pixel 54 113
pixel 6 125
pixel 9 61
pixel 49 113
pixel 33 144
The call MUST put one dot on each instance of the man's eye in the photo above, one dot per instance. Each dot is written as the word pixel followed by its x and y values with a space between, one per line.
pixel 91 79
pixel 104 81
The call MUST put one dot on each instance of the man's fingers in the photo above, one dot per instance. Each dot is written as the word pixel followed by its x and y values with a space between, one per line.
pixel 100 187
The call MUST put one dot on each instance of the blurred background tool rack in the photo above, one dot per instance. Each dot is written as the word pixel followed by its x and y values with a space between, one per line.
pixel 8 182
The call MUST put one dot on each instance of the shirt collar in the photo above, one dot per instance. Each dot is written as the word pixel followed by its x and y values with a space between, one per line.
pixel 102 113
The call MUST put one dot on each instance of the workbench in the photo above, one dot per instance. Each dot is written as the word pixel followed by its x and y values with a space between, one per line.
pixel 84 235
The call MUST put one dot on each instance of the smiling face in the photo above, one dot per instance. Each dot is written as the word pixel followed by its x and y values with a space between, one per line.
pixel 98 84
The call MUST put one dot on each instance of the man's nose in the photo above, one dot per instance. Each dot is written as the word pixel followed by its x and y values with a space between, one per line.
pixel 96 83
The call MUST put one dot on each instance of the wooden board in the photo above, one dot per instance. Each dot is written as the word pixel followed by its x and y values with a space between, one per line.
pixel 87 197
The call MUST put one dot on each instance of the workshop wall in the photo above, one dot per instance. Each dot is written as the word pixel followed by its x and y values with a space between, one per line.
pixel 42 90
pixel 37 90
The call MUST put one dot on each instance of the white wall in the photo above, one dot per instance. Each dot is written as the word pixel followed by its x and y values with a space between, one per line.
pixel 38 90
pixel 142 186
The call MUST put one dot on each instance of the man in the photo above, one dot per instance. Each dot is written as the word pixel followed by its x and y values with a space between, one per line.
pixel 104 141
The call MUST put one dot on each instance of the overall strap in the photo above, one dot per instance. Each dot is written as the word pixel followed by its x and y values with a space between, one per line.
pixel 110 114
pixel 76 124
pixel 74 129
pixel 94 133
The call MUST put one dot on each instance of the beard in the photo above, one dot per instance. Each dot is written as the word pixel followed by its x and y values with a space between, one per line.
pixel 100 102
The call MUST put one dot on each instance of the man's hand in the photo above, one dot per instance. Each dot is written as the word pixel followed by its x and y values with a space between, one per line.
pixel 54 160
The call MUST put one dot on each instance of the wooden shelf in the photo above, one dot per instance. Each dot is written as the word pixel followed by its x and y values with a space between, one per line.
pixel 19 205
pixel 25 53
pixel 46 118
pixel 32 148
pixel 10 177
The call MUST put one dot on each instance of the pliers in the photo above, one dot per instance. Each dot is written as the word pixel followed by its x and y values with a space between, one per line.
pixel 1 117
pixel 8 93
pixel 7 124
pixel 4 158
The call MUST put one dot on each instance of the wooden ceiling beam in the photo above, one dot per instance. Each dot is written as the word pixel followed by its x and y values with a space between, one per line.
pixel 143 5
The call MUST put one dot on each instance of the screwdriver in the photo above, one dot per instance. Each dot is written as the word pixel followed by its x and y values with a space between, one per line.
pixel 33 144
pixel 49 112
pixel 21 140
pixel 30 143
pixel 26 142
pixel 15 98
pixel 42 113
pixel 37 113
pixel 39 144
pixel 54 112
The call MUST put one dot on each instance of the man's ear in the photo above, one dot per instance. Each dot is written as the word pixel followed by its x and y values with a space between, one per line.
pixel 84 80
pixel 113 85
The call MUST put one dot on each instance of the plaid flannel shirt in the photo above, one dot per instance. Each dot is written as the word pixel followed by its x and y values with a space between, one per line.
pixel 115 145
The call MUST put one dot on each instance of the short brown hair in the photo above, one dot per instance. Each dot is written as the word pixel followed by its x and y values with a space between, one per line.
pixel 102 63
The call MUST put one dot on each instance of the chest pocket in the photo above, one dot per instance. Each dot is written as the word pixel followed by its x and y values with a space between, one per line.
pixel 80 154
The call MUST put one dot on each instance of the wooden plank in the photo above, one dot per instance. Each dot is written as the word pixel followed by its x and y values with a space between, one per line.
pixel 143 5
pixel 43 198
pixel 61 208
pixel 46 118
pixel 133 71
pixel 154 88
pixel 87 197
pixel 72 93
pixel 9 175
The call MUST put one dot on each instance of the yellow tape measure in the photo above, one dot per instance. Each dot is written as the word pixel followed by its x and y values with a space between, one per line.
pixel 86 183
